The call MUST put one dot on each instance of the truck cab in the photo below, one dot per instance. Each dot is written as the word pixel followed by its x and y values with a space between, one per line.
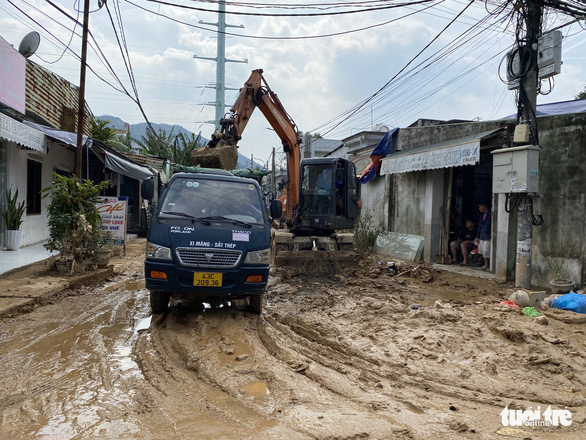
pixel 209 239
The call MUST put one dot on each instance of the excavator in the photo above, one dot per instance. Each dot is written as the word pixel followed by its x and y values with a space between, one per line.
pixel 323 198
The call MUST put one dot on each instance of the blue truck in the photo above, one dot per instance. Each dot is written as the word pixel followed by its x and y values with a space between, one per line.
pixel 209 239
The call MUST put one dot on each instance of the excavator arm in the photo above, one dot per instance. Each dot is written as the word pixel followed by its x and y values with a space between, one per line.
pixel 257 93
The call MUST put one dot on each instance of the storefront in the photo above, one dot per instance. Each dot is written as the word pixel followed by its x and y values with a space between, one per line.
pixel 435 187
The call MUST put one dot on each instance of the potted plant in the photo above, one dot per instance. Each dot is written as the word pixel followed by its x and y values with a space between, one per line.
pixel 13 219
pixel 559 284
pixel 104 251
pixel 74 221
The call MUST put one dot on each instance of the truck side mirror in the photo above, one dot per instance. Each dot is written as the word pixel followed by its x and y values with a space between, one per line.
pixel 147 189
pixel 276 209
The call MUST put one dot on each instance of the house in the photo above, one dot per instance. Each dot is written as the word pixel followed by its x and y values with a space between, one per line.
pixel 38 114
pixel 446 170
pixel 28 157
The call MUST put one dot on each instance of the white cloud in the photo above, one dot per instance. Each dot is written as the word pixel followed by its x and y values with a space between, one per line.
pixel 316 79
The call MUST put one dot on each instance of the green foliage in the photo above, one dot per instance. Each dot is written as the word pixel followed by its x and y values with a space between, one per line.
pixel 170 145
pixel 14 211
pixel 160 145
pixel 186 145
pixel 302 134
pixel 365 232
pixel 581 95
pixel 101 131
pixel 74 221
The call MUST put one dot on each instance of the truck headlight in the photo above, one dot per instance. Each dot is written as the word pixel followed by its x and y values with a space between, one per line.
pixel 157 251
pixel 259 257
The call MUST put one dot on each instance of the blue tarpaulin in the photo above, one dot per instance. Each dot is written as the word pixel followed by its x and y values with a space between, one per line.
pixel 384 148
pixel 559 108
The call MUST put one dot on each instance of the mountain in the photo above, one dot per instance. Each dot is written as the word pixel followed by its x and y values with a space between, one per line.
pixel 139 130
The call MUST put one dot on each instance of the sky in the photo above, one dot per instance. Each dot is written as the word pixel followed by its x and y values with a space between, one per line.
pixel 438 59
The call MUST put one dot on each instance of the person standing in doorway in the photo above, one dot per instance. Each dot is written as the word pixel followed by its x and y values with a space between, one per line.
pixel 483 237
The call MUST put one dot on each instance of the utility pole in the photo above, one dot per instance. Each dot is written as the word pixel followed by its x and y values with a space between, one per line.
pixel 220 86
pixel 81 101
pixel 273 184
pixel 528 99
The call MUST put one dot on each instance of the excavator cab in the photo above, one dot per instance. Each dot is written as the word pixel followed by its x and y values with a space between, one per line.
pixel 329 196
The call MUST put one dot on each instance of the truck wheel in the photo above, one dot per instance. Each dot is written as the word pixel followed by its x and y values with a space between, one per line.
pixel 159 301
pixel 255 304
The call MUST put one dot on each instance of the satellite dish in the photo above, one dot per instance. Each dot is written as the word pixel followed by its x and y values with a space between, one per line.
pixel 29 44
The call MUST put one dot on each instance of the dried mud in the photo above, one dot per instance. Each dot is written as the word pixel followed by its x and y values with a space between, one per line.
pixel 356 355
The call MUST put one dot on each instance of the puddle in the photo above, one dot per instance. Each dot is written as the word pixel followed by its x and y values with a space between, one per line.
pixel 135 285
pixel 256 389
pixel 123 355
pixel 237 348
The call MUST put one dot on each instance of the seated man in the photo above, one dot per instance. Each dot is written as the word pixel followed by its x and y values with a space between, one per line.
pixel 464 243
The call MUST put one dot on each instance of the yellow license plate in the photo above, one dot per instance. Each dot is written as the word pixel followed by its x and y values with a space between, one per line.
pixel 207 279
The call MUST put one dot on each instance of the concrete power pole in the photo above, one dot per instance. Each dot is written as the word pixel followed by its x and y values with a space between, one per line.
pixel 220 86
pixel 81 92
pixel 529 101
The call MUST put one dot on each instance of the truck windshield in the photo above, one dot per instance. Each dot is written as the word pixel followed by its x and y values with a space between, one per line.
pixel 203 198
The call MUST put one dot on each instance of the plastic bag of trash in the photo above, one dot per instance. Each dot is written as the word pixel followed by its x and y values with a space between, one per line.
pixel 509 303
pixel 530 311
pixel 572 301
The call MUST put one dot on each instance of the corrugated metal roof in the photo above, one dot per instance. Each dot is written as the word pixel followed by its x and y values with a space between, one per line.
pixel 361 161
pixel 155 163
pixel 49 96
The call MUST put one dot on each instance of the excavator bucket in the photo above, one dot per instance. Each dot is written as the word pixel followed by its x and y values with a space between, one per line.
pixel 222 155
pixel 316 263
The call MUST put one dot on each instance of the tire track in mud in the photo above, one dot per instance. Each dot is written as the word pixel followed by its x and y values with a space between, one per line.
pixel 208 347
pixel 168 356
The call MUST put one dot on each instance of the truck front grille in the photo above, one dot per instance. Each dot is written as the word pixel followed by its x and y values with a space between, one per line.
pixel 208 258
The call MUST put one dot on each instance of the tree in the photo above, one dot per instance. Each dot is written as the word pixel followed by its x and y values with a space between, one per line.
pixel 160 145
pixel 582 94
pixel 302 135
pixel 186 145
pixel 170 146
pixel 101 131
pixel 74 221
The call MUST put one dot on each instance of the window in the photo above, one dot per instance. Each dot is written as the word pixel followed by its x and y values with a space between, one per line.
pixel 33 188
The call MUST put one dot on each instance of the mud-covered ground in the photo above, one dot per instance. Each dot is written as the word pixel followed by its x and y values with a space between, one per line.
pixel 358 354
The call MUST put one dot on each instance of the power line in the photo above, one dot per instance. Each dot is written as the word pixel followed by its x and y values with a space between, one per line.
pixel 367 100
pixel 258 37
pixel 258 14
pixel 127 62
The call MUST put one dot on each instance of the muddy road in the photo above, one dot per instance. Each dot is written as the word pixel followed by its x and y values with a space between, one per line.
pixel 358 355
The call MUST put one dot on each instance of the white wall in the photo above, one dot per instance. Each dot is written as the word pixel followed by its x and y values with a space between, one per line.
pixel 34 226
pixel 374 203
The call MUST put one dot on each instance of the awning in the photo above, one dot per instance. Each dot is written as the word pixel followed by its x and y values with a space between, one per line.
pixel 123 166
pixel 66 137
pixel 452 153
pixel 12 130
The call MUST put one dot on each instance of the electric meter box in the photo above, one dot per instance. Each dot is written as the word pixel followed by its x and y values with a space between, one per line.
pixel 549 54
pixel 515 170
